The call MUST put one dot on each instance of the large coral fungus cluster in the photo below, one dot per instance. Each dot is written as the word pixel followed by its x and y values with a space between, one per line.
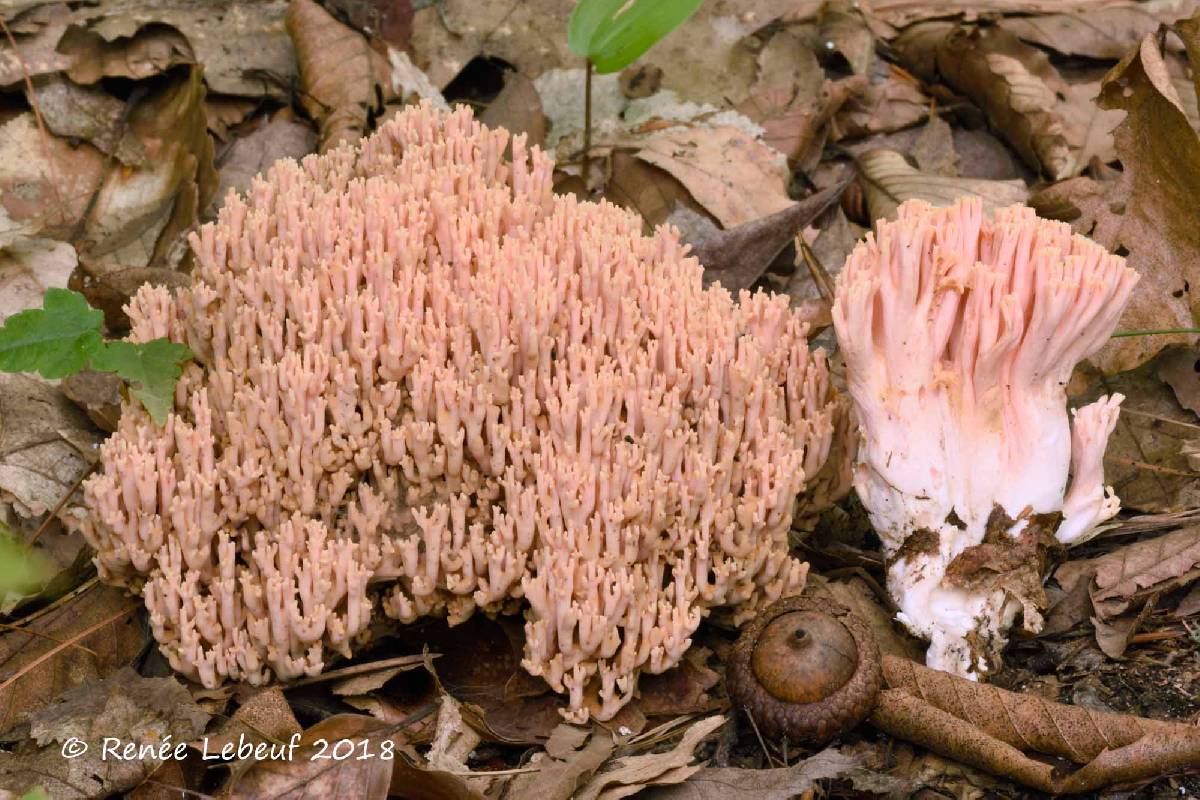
pixel 425 384
pixel 960 334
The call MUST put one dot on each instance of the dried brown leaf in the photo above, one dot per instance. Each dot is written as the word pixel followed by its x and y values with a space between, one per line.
pixel 248 155
pixel 1087 127
pixel 844 30
pixel 1101 33
pixel 302 776
pixel 127 707
pixel 782 783
pixel 243 46
pixel 651 192
pixel 517 109
pixel 481 668
pixel 46 444
pixel 798 126
pixel 565 765
pixel 343 77
pixel 892 100
pixel 888 180
pixel 88 113
pixel 1139 567
pixel 28 267
pixel 737 257
pixel 934 150
pixel 1180 369
pixel 45 184
pixel 148 51
pixel 735 177
pixel 631 774
pixel 140 217
pixel 264 717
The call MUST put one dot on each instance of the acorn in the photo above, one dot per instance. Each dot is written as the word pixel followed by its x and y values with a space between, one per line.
pixel 806 670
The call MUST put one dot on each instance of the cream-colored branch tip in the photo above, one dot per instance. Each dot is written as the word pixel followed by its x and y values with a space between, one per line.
pixel 426 385
pixel 960 333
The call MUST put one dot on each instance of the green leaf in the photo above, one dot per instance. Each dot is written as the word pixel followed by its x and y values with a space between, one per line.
pixel 151 369
pixel 22 570
pixel 614 33
pixel 55 340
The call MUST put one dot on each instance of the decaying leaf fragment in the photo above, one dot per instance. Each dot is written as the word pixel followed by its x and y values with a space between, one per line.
pixel 888 180
pixel 345 81
pixel 1118 582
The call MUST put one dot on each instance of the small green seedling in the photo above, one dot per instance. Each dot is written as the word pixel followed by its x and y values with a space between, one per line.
pixel 63 337
pixel 612 34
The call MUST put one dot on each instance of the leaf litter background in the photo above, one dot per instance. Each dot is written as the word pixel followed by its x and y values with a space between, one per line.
pixel 123 124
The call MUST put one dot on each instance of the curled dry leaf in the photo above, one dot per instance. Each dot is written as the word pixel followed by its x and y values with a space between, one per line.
pixel 1015 86
pixel 344 79
pixel 150 50
pixel 888 180
pixel 243 46
pixel 572 756
pixel 135 710
pixel 140 217
pixel 843 30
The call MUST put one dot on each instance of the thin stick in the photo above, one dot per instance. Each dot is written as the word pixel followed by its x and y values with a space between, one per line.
pixel 1158 332
pixel 62 502
pixel 87 585
pixel 360 669
pixel 761 742
pixel 587 123
pixel 55 176
pixel 29 632
pixel 25 670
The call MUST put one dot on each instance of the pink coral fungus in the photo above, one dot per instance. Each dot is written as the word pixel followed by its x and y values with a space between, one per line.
pixel 427 385
pixel 960 334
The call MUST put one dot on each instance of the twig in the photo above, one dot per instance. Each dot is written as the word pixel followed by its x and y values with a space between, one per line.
pixel 1129 462
pixel 55 177
pixel 30 632
pixel 25 670
pixel 761 743
pixel 62 502
pixel 587 123
pixel 360 669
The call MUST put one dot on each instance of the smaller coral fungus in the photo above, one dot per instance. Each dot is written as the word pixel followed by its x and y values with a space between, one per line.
pixel 960 334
